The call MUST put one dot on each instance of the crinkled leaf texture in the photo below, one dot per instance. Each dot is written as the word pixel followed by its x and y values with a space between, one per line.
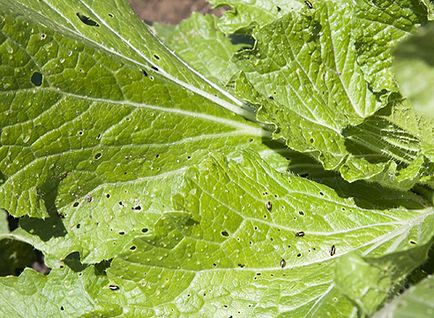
pixel 198 41
pixel 244 239
pixel 308 75
pixel 150 195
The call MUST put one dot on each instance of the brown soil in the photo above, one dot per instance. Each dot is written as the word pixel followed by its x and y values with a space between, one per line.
pixel 169 11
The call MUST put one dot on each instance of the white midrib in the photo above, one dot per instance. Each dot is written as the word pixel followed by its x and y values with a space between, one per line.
pixel 248 129
pixel 229 106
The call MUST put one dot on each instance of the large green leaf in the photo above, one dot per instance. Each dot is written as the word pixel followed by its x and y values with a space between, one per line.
pixel 305 77
pixel 89 99
pixel 417 302
pixel 246 240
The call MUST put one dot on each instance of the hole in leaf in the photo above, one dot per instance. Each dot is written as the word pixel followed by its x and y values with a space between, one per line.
pixel 36 79
pixel 86 20
pixel 225 233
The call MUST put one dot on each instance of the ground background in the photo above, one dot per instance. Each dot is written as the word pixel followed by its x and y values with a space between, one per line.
pixel 169 11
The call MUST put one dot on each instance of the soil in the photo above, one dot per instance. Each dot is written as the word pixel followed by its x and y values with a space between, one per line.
pixel 168 11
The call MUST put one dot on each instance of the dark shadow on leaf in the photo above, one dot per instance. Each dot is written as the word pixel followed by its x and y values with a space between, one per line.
pixel 379 140
pixel 244 39
pixel 53 225
pixel 74 263
pixel 366 195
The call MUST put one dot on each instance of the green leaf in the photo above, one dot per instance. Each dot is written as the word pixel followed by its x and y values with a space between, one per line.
pixel 246 14
pixel 365 284
pixel 199 42
pixel 76 295
pixel 416 302
pixel 263 246
pixel 4 226
pixel 304 76
pixel 86 105
pixel 414 69
pixel 244 239
pixel 382 24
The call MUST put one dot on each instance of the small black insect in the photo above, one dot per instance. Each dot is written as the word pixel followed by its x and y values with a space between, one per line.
pixel 114 287
pixel 299 234
pixel 333 250
pixel 309 4
pixel 282 263
pixel 269 206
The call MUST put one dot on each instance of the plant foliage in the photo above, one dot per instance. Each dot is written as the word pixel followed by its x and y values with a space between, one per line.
pixel 268 163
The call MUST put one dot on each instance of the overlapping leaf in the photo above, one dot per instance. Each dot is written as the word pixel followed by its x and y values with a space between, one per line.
pixel 104 149
pixel 198 41
pixel 306 69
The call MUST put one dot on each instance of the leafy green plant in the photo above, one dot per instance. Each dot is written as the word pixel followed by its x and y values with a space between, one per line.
pixel 261 164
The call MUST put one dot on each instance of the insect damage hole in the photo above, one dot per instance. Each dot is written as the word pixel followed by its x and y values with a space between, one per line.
pixel 86 20
pixel 36 79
